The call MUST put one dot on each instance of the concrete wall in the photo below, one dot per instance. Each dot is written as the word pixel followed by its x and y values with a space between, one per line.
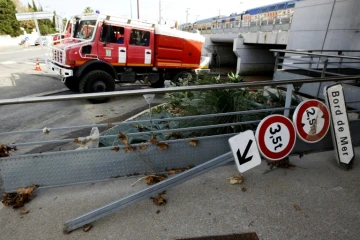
pixel 326 24
pixel 7 40
pixel 253 59
pixel 226 56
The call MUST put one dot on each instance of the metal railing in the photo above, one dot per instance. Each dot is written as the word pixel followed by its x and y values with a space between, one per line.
pixel 319 62
pixel 254 85
pixel 67 167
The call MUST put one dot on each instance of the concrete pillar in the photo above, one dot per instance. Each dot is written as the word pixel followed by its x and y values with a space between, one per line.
pixel 253 59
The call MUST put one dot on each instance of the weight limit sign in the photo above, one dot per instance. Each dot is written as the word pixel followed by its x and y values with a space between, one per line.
pixel 312 120
pixel 276 137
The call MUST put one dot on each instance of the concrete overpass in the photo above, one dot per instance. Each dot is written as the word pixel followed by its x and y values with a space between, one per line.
pixel 315 24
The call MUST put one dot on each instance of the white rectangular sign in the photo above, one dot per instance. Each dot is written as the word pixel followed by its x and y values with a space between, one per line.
pixel 335 100
pixel 244 148
pixel 147 56
pixel 122 55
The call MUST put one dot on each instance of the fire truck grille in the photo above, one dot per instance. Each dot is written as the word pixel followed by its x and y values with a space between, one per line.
pixel 57 56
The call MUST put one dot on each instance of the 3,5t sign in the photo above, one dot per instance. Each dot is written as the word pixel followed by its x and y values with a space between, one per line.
pixel 276 137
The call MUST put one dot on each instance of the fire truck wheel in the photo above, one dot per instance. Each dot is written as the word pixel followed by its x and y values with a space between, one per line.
pixel 158 84
pixel 72 83
pixel 180 76
pixel 97 81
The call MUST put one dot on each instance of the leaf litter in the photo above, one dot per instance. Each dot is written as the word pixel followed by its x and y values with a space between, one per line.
pixel 5 151
pixel 297 208
pixel 194 143
pixel 24 212
pixel 237 179
pixel 87 227
pixel 19 198
pixel 158 200
pixel 283 163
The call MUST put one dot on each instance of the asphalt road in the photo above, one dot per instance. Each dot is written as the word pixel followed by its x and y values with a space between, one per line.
pixel 19 79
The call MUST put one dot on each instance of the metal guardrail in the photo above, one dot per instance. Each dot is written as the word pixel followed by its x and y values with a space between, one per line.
pixel 61 168
pixel 316 61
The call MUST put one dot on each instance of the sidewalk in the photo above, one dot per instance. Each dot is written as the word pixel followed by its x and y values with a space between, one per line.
pixel 316 200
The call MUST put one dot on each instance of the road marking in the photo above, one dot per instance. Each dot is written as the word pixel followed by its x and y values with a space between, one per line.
pixel 8 62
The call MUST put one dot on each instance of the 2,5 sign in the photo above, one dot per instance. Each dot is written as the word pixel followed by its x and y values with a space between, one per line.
pixel 276 137
pixel 312 120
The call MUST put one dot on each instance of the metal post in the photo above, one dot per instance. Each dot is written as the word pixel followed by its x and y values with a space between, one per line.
pixel 138 10
pixel 341 60
pixel 187 14
pixel 276 61
pixel 324 68
pixel 131 9
pixel 289 92
pixel 146 193
pixel 310 64
pixel 159 12
pixel 37 25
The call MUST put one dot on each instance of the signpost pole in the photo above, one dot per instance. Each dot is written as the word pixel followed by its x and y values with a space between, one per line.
pixel 289 93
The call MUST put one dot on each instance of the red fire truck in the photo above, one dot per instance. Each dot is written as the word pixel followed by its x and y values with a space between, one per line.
pixel 58 38
pixel 105 50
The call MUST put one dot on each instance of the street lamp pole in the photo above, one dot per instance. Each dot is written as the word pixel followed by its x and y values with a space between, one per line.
pixel 131 9
pixel 138 10
pixel 159 12
pixel 187 14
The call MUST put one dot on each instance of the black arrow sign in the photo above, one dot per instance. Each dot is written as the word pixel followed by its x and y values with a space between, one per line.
pixel 243 159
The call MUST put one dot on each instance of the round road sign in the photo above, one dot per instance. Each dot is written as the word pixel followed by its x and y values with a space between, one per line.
pixel 276 137
pixel 312 120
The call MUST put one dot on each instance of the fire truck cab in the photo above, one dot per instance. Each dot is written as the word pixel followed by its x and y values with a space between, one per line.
pixel 105 50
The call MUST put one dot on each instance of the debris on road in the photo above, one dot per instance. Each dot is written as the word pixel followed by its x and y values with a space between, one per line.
pixel 177 170
pixel 153 140
pixel 5 151
pixel 297 208
pixel 87 227
pixel 193 143
pixel 91 141
pixel 158 200
pixel 46 131
pixel 129 149
pixel 153 179
pixel 237 179
pixel 243 189
pixel 143 147
pixel 116 149
pixel 283 163
pixel 163 146
pixel 24 212
pixel 20 197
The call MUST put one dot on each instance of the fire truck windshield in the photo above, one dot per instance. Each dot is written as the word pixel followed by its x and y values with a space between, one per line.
pixel 84 29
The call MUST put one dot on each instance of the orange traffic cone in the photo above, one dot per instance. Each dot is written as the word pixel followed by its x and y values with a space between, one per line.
pixel 37 67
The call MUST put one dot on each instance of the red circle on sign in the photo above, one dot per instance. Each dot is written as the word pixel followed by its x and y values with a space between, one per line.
pixel 298 115
pixel 260 137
